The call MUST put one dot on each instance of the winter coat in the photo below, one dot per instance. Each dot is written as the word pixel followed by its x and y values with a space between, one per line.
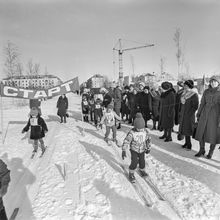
pixel 145 104
pixel 38 127
pixel 4 181
pixel 109 118
pixel 167 109
pixel 187 114
pixel 132 101
pixel 117 99
pixel 155 97
pixel 178 106
pixel 137 140
pixel 62 105
pixel 107 99
pixel 124 103
pixel 209 117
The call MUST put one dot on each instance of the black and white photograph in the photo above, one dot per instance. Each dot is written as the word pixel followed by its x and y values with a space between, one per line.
pixel 109 110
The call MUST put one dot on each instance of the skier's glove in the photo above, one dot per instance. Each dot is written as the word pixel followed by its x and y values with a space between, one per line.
pixel 123 155
pixel 147 151
pixel 22 131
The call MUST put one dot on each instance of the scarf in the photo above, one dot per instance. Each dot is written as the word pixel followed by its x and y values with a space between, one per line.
pixel 186 95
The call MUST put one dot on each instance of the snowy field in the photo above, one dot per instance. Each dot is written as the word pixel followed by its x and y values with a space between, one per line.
pixel 80 177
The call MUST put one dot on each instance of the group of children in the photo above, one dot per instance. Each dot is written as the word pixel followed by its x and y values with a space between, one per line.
pixel 137 139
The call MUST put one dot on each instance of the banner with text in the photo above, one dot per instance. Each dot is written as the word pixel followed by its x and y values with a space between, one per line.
pixel 10 91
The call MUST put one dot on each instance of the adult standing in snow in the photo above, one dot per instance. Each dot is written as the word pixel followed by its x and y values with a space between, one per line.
pixel 107 97
pixel 124 104
pixel 155 97
pixel 117 102
pixel 167 110
pixel 208 130
pixel 62 105
pixel 190 102
pixel 132 103
pixel 4 181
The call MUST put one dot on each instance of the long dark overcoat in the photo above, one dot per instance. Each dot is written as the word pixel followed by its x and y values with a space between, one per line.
pixel 187 114
pixel 117 100
pixel 209 117
pixel 145 104
pixel 167 109
pixel 155 96
pixel 62 105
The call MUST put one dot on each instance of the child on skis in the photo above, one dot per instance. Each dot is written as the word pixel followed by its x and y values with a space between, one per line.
pixel 109 118
pixel 98 111
pixel 38 129
pixel 139 142
pixel 85 108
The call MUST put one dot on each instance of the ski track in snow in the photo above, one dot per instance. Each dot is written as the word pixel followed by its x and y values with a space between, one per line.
pixel 94 186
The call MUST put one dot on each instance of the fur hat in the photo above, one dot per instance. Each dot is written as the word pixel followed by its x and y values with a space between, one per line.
pixel 189 83
pixel 216 78
pixel 34 111
pixel 166 85
pixel 126 87
pixel 110 106
pixel 139 122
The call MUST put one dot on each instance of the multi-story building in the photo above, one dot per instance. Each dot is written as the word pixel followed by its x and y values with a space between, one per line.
pixel 35 81
pixel 96 81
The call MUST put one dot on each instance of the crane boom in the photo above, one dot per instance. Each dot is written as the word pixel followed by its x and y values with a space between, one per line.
pixel 120 52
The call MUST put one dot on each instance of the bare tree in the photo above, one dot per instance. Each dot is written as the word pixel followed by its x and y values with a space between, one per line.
pixel 11 55
pixel 179 54
pixel 30 68
pixel 20 69
pixel 36 69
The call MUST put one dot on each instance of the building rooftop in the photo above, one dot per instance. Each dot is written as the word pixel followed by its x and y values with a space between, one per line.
pixel 32 77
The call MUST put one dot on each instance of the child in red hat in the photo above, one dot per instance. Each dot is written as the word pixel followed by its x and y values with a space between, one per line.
pixel 139 142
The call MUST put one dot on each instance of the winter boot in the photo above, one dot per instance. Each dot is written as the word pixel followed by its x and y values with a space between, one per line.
pixel 200 153
pixel 184 146
pixel 143 173
pixel 211 150
pixel 132 177
pixel 189 147
pixel 119 126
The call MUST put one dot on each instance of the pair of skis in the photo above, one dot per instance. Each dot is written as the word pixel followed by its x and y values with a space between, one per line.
pixel 42 153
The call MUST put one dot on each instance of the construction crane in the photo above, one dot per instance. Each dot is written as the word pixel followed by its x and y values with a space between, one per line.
pixel 120 53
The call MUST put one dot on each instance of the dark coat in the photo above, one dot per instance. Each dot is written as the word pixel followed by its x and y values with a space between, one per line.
pixel 117 99
pixel 37 131
pixel 107 99
pixel 155 97
pixel 132 101
pixel 187 114
pixel 62 105
pixel 145 104
pixel 167 109
pixel 124 103
pixel 178 106
pixel 209 117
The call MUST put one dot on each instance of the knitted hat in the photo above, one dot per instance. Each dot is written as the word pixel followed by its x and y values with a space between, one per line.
pixel 34 111
pixel 166 85
pixel 216 78
pixel 139 122
pixel 110 106
pixel 189 83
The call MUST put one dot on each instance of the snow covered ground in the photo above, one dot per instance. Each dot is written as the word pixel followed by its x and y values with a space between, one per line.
pixel 79 176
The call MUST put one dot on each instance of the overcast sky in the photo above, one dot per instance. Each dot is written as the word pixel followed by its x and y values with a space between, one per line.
pixel 76 37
